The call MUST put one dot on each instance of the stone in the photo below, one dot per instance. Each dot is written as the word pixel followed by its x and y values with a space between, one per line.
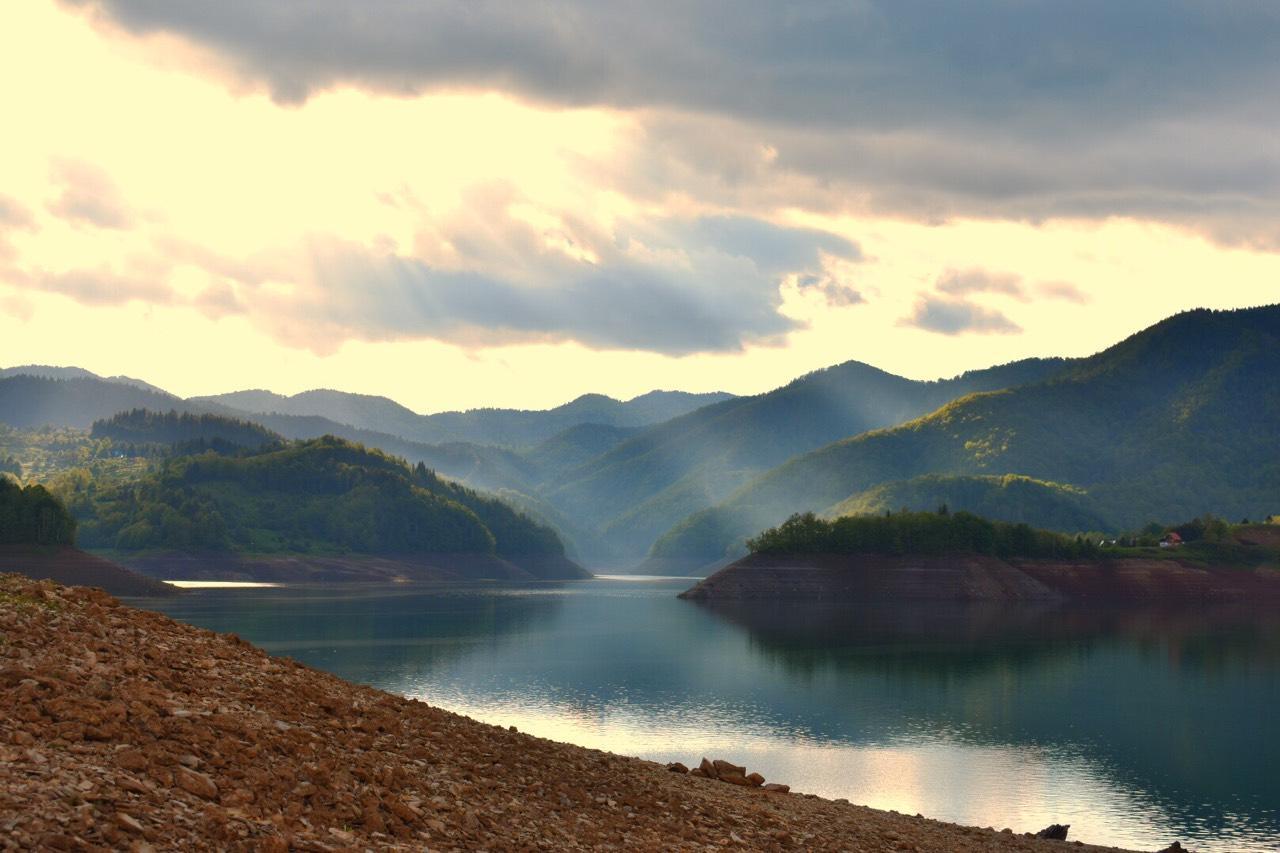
pixel 708 769
pixel 128 823
pixel 132 759
pixel 725 767
pixel 194 782
pixel 777 787
pixel 677 767
pixel 1175 847
pixel 734 778
pixel 1054 832
pixel 755 779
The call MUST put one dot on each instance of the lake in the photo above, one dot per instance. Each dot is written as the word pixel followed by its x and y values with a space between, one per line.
pixel 1135 727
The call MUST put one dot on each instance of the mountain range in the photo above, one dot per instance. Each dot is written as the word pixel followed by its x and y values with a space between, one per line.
pixel 1172 422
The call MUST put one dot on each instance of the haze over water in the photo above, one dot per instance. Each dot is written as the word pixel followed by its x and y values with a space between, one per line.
pixel 1135 728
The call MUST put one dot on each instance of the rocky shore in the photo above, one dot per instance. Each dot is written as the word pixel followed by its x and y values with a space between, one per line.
pixel 122 729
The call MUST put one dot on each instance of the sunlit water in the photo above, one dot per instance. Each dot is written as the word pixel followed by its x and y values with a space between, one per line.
pixel 1137 728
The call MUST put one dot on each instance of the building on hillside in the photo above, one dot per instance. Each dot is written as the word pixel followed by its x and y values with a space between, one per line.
pixel 1172 540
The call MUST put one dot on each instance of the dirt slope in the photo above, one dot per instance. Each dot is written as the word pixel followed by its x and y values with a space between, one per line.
pixel 75 567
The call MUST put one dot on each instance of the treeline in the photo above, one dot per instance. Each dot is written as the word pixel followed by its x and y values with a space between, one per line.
pixel 32 516
pixel 325 495
pixel 193 432
pixel 926 533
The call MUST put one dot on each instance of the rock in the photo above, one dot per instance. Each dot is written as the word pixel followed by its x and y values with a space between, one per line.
pixel 755 779
pixel 708 769
pixel 128 823
pixel 194 782
pixel 1175 847
pixel 723 767
pixel 677 767
pixel 698 771
pixel 1054 832
pixel 132 759
pixel 734 778
pixel 777 788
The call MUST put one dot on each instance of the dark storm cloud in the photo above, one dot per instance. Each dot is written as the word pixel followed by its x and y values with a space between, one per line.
pixel 957 317
pixel 998 108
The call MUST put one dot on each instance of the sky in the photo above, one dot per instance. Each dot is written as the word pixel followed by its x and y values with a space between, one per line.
pixel 461 204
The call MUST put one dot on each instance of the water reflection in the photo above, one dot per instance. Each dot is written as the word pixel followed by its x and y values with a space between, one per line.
pixel 1136 727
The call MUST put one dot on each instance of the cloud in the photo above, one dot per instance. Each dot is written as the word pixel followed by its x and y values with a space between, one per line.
pixel 88 195
pixel 105 286
pixel 484 276
pixel 958 317
pixel 676 286
pixel 13 214
pixel 836 294
pixel 1157 109
pixel 976 280
pixel 1063 290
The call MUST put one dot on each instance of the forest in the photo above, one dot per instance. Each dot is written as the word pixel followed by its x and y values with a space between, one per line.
pixel 930 533
pixel 33 516
pixel 325 495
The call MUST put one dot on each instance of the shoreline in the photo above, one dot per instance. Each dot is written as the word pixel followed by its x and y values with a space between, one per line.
pixel 976 578
pixel 122 727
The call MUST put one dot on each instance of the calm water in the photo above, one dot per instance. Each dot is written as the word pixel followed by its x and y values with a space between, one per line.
pixel 1135 728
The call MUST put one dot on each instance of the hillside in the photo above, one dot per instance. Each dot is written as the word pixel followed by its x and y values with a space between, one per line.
pixel 637 490
pixel 32 401
pixel 323 497
pixel 128 730
pixel 1009 497
pixel 1175 421
pixel 513 428
pixel 141 426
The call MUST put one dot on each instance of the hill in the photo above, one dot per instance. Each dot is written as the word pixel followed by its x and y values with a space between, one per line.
pixel 32 401
pixel 324 497
pixel 37 535
pixel 644 485
pixel 1010 497
pixel 513 428
pixel 50 372
pixel 1177 420
pixel 141 426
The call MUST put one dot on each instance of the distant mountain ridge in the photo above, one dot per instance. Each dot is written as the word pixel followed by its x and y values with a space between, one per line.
pixel 499 427
pixel 637 490
pixel 1172 422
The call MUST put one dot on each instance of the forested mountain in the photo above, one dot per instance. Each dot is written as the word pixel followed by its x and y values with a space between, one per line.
pixel 50 372
pixel 31 401
pixel 637 490
pixel 514 428
pixel 142 426
pixel 323 496
pixel 1175 421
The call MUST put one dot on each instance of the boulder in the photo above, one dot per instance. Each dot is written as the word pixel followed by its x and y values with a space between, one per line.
pixel 755 779
pixel 708 769
pixel 734 778
pixel 723 767
pixel 777 788
pixel 677 767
